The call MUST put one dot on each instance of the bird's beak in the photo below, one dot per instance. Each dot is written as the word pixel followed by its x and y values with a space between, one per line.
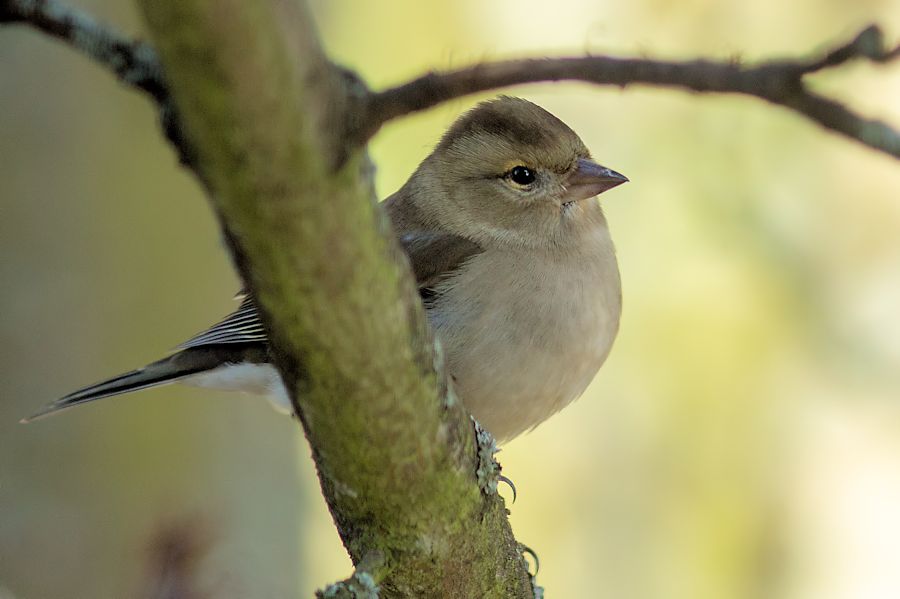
pixel 590 179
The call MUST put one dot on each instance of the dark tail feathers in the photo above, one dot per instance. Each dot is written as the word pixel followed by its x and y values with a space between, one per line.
pixel 175 367
pixel 161 372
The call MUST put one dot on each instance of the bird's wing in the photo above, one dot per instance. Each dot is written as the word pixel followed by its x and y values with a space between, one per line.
pixel 241 326
pixel 433 256
pixel 240 337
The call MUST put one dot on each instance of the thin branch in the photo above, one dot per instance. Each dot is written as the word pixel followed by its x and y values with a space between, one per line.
pixel 132 62
pixel 778 82
pixel 868 44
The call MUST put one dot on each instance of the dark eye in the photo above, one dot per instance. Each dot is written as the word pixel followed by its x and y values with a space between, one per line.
pixel 521 175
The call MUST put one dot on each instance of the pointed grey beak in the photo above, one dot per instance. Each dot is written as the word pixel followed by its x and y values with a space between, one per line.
pixel 591 179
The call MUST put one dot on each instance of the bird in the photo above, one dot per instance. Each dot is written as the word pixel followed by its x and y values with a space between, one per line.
pixel 513 260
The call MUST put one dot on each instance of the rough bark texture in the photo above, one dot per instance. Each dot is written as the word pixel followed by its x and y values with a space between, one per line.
pixel 396 453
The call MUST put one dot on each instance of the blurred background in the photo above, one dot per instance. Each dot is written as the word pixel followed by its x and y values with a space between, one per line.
pixel 742 441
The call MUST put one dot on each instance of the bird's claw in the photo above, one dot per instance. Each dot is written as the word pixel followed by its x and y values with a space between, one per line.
pixel 503 479
pixel 537 563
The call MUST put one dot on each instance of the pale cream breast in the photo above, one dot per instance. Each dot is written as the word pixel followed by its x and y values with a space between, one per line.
pixel 525 332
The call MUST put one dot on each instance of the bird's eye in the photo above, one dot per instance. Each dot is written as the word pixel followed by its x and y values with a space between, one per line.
pixel 521 175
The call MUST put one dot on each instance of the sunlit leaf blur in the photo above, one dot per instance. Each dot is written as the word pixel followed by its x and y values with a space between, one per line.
pixel 742 441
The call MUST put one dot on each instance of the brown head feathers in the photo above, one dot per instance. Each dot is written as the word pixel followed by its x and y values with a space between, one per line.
pixel 509 125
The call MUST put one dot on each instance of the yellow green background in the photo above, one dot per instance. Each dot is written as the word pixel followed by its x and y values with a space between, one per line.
pixel 743 440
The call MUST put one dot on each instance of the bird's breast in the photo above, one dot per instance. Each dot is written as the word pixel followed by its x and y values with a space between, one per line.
pixel 525 333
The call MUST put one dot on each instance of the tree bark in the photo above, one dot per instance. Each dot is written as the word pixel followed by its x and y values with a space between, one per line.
pixel 411 490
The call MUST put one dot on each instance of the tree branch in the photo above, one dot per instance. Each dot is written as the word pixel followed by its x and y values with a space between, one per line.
pixel 397 455
pixel 778 82
pixel 132 62
pixel 869 43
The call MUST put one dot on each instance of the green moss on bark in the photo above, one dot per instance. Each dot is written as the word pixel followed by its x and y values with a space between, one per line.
pixel 263 108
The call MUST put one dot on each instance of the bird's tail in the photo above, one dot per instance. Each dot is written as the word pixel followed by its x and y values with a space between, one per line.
pixel 167 370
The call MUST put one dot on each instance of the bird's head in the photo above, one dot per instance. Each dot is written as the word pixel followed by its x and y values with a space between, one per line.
pixel 509 172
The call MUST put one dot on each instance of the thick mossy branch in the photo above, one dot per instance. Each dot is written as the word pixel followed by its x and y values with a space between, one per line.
pixel 396 455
